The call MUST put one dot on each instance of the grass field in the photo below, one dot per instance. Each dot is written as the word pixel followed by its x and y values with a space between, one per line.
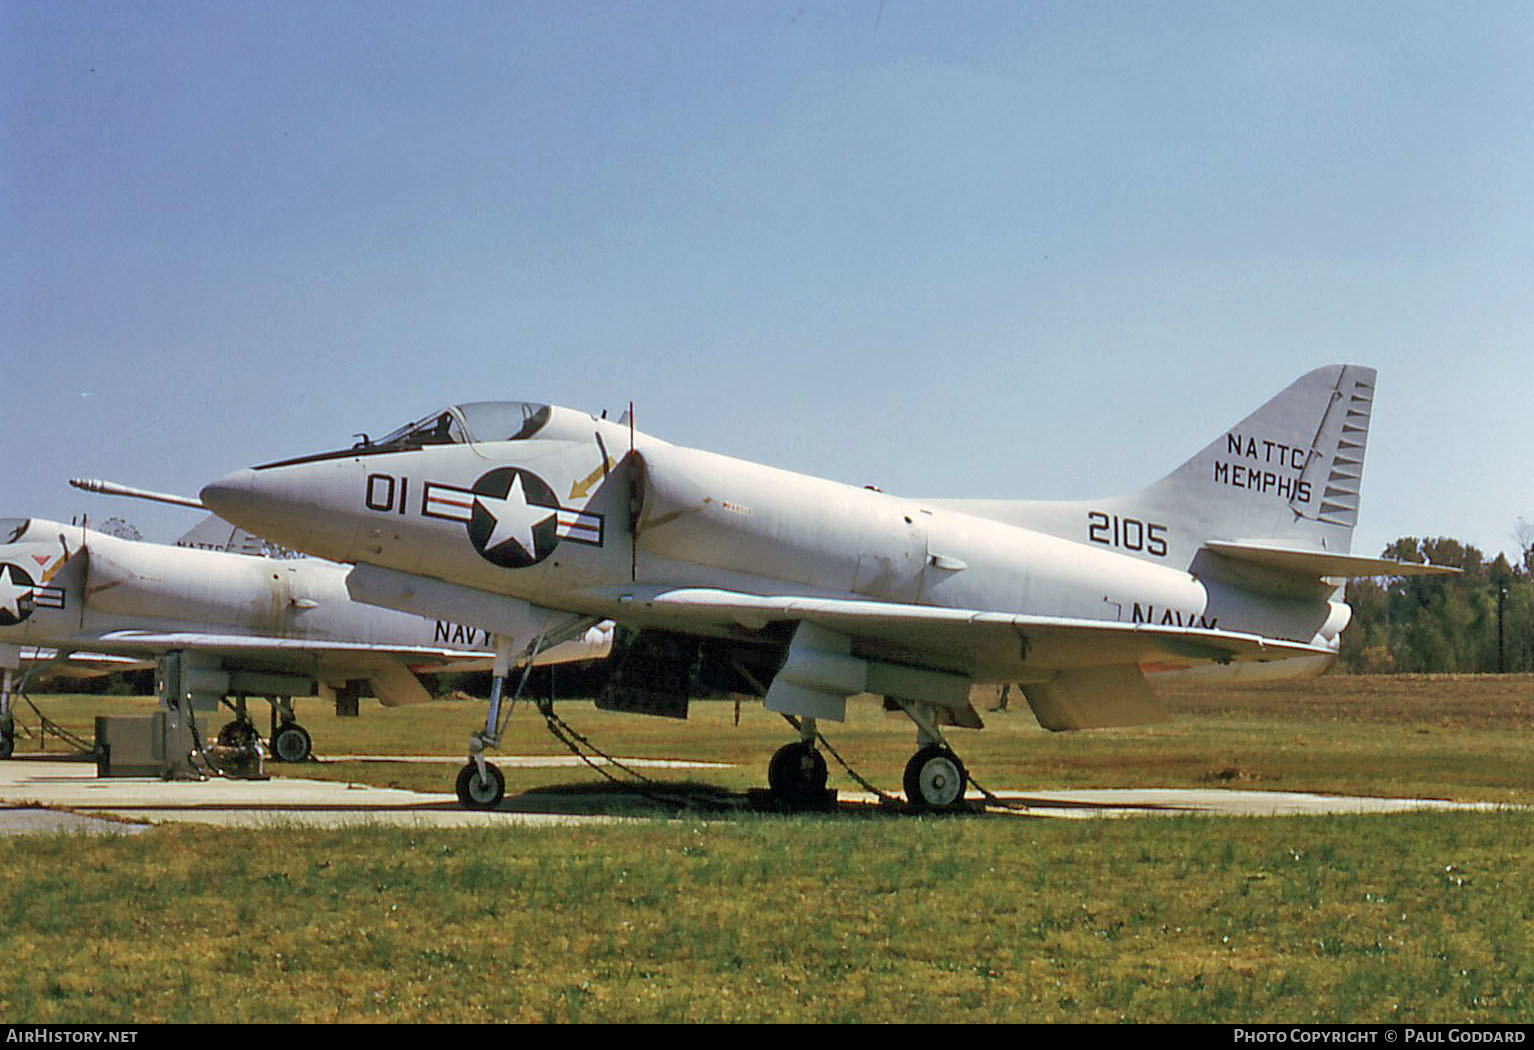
pixel 1424 917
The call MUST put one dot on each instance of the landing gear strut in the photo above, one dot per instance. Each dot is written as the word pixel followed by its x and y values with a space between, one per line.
pixel 7 721
pixel 481 784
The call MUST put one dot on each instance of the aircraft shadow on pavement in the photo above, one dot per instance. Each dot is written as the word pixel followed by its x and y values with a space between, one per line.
pixel 693 798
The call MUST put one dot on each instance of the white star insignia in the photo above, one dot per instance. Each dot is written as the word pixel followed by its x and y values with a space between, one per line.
pixel 11 593
pixel 515 518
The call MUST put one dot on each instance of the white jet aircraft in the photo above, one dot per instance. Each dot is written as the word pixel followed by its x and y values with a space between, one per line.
pixel 72 595
pixel 536 521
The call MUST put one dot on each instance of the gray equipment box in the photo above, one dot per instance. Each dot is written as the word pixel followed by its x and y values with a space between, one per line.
pixel 130 745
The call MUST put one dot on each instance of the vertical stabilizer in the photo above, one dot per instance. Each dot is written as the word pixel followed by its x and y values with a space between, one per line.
pixel 1290 472
pixel 1287 475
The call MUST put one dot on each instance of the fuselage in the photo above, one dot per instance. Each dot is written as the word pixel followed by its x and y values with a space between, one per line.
pixel 67 588
pixel 585 515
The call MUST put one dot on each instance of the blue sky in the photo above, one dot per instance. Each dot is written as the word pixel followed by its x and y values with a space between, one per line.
pixel 955 249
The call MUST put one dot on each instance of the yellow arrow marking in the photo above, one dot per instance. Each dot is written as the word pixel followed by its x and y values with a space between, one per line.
pixel 582 488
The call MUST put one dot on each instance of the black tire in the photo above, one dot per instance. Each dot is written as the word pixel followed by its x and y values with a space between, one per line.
pixel 474 793
pixel 291 743
pixel 935 779
pixel 797 774
pixel 7 745
pixel 237 734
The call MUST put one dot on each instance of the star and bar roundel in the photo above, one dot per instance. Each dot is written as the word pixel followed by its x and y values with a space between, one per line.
pixel 514 519
pixel 20 594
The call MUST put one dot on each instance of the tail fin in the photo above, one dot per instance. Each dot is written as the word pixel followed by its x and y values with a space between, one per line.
pixel 215 534
pixel 1287 476
pixel 1289 473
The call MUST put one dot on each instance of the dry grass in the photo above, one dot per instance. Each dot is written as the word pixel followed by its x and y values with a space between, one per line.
pixel 1441 701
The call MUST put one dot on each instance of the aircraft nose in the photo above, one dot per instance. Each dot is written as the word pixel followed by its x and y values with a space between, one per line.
pixel 297 506
pixel 233 498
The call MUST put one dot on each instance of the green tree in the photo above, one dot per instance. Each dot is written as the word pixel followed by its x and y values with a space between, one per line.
pixel 1443 623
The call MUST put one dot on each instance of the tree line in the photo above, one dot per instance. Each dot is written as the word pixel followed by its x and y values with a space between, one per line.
pixel 1481 620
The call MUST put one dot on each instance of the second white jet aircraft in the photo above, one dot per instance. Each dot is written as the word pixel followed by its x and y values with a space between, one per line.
pixel 536 520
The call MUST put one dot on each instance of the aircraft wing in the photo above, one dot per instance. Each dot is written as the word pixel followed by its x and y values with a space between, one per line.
pixel 75 664
pixel 390 668
pixel 234 643
pixel 998 646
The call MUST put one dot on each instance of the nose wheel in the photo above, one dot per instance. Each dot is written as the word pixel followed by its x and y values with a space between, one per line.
pixel 481 791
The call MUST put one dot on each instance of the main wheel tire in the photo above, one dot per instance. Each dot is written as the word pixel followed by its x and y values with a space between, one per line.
pixel 475 793
pixel 7 745
pixel 237 734
pixel 291 743
pixel 935 779
pixel 797 774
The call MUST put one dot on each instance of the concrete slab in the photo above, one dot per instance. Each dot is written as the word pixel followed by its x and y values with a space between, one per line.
pixel 1215 801
pixel 531 761
pixel 50 795
pixel 27 821
pixel 279 802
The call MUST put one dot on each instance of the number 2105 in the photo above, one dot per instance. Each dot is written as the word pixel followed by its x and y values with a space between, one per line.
pixel 1131 534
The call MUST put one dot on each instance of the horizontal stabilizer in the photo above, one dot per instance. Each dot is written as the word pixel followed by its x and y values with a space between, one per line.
pixel 1320 563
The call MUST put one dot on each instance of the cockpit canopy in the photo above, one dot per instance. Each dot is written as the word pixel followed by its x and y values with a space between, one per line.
pixel 472 422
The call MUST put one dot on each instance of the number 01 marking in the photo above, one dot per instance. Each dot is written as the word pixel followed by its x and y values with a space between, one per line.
pixel 381 491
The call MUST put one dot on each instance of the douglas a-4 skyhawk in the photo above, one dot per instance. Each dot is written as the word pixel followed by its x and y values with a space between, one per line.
pixel 537 521
pixel 279 627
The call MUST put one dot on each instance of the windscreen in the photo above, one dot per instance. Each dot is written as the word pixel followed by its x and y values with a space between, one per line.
pixel 440 428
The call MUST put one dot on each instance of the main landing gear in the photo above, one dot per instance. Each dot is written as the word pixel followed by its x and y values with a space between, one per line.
pixel 797 773
pixel 935 779
pixel 289 741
